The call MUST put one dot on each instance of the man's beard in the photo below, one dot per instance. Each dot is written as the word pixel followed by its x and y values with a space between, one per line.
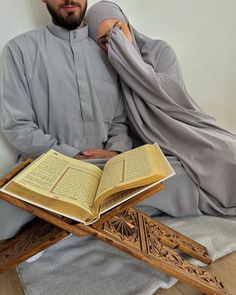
pixel 71 21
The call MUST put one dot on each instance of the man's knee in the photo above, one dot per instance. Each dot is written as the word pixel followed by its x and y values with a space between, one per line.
pixel 12 219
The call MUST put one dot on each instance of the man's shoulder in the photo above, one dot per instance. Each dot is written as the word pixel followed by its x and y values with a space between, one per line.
pixel 96 51
pixel 93 44
pixel 21 39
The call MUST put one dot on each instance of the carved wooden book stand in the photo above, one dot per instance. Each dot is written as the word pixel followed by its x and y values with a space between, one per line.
pixel 122 227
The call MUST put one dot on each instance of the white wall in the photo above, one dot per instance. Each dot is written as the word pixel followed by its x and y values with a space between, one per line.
pixel 203 35
pixel 201 31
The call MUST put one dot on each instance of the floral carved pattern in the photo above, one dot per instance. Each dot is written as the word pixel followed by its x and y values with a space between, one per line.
pixel 173 239
pixel 172 258
pixel 151 241
pixel 125 225
pixel 38 235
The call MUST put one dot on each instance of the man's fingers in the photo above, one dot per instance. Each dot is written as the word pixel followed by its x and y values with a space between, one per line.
pixel 91 152
pixel 97 153
pixel 88 153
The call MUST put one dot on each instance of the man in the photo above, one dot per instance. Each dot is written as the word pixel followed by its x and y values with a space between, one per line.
pixel 58 91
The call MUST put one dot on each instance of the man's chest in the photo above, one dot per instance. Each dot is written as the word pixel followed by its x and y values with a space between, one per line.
pixel 73 76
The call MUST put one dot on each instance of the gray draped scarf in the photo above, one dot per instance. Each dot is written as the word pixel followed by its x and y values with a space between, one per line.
pixel 161 110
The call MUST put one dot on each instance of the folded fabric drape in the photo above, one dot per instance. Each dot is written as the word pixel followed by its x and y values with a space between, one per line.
pixel 161 110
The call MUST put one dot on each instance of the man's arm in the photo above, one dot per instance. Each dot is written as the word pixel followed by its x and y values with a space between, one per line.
pixel 17 116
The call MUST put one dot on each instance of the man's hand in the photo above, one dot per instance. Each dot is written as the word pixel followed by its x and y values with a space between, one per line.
pixel 97 154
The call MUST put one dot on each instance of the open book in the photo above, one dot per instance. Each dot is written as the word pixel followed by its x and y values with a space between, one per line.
pixel 82 191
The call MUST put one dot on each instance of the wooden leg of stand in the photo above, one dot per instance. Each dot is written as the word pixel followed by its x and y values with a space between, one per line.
pixel 37 236
pixel 174 239
pixel 170 238
pixel 135 234
pixel 129 231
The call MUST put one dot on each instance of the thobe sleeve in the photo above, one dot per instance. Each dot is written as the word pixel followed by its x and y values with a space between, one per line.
pixel 118 139
pixel 162 77
pixel 18 120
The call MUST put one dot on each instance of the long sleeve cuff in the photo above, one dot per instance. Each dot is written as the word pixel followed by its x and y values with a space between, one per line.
pixel 66 149
pixel 62 148
pixel 120 144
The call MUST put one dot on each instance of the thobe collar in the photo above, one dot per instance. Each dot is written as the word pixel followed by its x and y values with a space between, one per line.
pixel 71 36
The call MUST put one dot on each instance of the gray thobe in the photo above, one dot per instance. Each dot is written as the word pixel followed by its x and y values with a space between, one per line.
pixel 57 91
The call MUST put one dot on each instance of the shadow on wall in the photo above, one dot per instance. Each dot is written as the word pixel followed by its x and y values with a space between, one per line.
pixel 39 13
pixel 38 16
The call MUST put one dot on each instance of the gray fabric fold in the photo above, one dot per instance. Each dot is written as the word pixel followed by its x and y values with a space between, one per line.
pixel 161 110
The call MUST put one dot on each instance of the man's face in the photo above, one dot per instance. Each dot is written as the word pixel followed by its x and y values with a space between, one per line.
pixel 68 14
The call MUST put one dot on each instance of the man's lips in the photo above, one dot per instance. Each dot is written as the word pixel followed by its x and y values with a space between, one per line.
pixel 70 8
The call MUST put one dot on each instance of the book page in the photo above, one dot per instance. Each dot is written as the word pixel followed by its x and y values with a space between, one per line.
pixel 60 177
pixel 118 198
pixel 137 167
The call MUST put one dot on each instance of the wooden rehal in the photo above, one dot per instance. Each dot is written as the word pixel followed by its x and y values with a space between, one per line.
pixel 122 227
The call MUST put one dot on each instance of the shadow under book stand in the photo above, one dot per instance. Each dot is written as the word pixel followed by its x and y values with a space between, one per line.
pixel 123 227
